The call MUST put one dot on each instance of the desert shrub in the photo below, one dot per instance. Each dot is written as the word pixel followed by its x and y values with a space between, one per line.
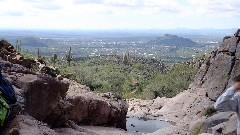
pixel 139 78
pixel 196 129
pixel 209 111
pixel 170 83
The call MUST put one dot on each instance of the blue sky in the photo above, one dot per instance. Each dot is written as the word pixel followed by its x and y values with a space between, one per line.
pixel 119 14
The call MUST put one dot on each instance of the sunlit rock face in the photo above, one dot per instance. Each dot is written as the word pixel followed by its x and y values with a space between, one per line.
pixel 188 109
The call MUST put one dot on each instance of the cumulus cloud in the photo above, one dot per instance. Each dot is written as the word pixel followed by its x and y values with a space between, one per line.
pixel 49 6
pixel 125 13
pixel 45 4
pixel 135 6
pixel 124 3
pixel 216 7
pixel 88 1
pixel 12 13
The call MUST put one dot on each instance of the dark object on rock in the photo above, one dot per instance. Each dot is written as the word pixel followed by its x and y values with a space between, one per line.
pixel 14 131
pixel 219 130
pixel 237 33
pixel 236 78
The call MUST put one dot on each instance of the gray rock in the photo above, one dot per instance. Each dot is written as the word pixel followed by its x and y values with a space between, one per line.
pixel 215 120
pixel 226 128
pixel 238 51
pixel 216 78
pixel 229 45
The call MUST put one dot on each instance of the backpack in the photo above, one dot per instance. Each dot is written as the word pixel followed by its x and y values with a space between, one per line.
pixel 4 110
pixel 7 91
pixel 8 99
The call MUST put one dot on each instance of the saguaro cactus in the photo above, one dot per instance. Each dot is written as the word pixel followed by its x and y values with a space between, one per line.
pixel 19 46
pixel 69 56
pixel 38 54
pixel 126 58
pixel 54 58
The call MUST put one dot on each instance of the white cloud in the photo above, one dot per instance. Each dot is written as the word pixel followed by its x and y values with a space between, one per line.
pixel 88 1
pixel 114 13
pixel 12 13
pixel 124 3
pixel 215 8
pixel 45 4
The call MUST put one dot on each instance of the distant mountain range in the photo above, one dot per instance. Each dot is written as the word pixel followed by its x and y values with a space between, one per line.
pixel 173 40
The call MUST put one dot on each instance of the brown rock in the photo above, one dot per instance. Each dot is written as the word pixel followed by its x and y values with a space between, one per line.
pixel 91 109
pixel 42 94
pixel 27 125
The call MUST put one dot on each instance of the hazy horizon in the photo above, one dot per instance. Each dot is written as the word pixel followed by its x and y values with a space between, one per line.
pixel 119 14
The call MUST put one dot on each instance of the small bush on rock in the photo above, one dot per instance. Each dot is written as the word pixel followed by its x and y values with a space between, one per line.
pixel 209 111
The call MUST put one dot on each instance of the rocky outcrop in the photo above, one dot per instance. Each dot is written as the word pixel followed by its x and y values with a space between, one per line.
pixel 189 108
pixel 42 94
pixel 58 101
pixel 97 109
pixel 146 109
pixel 215 120
pixel 8 53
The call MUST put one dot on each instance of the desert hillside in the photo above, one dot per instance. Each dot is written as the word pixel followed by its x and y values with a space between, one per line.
pixel 56 105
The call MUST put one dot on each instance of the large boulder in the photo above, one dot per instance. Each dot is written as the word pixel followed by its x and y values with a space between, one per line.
pixel 96 109
pixel 215 120
pixel 221 65
pixel 38 95
pixel 226 128
pixel 42 94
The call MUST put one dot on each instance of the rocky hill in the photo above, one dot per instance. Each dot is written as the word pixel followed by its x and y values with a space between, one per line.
pixel 191 110
pixel 173 40
pixel 55 105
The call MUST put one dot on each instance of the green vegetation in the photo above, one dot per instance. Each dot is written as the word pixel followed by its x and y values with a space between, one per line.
pixel 69 56
pixel 140 78
pixel 125 75
pixel 54 59
pixel 171 83
pixel 210 111
pixel 18 45
pixel 197 129
pixel 38 54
